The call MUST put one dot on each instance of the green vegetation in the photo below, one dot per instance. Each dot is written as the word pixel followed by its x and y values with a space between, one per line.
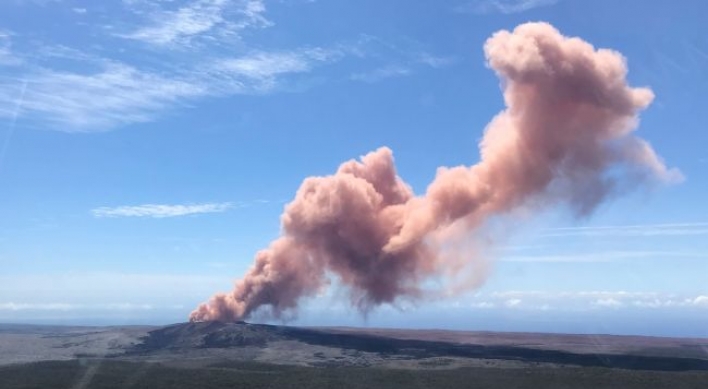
pixel 112 374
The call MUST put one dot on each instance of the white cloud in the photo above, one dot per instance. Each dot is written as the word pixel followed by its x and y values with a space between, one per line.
pixel 260 65
pixel 609 303
pixel 399 59
pixel 206 19
pixel 87 290
pixel 79 10
pixel 587 300
pixel 696 302
pixel 653 303
pixel 87 294
pixel 34 2
pixel 118 94
pixel 161 210
pixel 594 294
pixel 502 6
pixel 90 89
pixel 645 230
pixel 50 52
pixel 265 65
pixel 7 57
pixel 603 256
pixel 483 305
pixel 435 61
pixel 259 71
pixel 11 306
pixel 381 73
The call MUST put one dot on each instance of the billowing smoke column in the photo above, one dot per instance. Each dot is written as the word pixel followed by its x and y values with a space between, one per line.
pixel 565 138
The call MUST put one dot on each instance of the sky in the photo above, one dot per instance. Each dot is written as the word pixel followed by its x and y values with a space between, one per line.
pixel 148 147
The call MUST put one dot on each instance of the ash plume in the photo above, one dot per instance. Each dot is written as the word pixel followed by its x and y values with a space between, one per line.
pixel 565 139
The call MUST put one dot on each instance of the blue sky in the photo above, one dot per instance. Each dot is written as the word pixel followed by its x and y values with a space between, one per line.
pixel 147 148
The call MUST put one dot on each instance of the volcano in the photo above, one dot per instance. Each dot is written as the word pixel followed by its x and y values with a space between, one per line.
pixel 345 346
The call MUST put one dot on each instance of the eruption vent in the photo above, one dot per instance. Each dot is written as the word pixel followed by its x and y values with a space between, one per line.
pixel 565 138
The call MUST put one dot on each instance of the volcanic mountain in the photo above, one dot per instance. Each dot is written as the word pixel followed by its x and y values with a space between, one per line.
pixel 357 346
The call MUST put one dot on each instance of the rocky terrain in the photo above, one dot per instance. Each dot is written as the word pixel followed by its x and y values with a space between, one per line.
pixel 197 344
pixel 212 355
pixel 30 343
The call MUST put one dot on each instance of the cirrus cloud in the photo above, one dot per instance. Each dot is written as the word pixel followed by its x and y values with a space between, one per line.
pixel 161 210
pixel 502 6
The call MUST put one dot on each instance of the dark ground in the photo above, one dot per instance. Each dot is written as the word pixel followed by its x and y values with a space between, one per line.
pixel 108 374
pixel 679 357
pixel 241 355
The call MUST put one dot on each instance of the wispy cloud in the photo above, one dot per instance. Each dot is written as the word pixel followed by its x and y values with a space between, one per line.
pixel 103 86
pixel 265 65
pixel 87 287
pixel 591 294
pixel 608 303
pixel 161 210
pixel 605 256
pixel 261 71
pixel 588 300
pixel 646 230
pixel 119 94
pixel 407 63
pixel 7 58
pixel 502 6
pixel 483 305
pixel 698 302
pixel 108 93
pixel 435 61
pixel 12 306
pixel 200 19
pixel 116 95
pixel 381 73
pixel 90 92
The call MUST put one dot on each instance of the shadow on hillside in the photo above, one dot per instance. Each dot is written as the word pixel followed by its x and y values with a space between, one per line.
pixel 227 335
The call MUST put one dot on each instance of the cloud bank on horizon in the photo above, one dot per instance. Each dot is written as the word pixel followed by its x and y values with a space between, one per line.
pixel 565 139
